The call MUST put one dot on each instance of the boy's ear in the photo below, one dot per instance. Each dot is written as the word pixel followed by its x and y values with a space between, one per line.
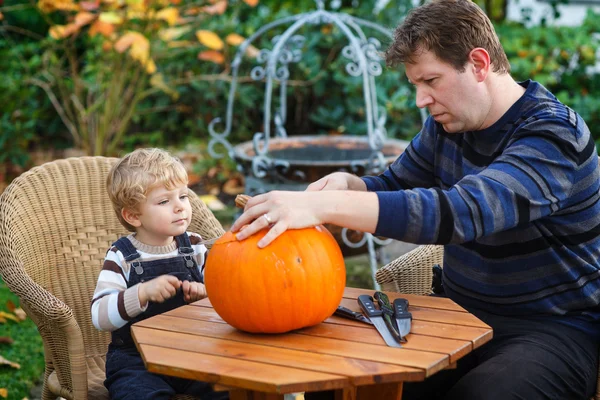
pixel 131 217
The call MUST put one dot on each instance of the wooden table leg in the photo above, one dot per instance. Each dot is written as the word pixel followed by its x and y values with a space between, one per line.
pixel 392 391
pixel 239 394
pixel 346 393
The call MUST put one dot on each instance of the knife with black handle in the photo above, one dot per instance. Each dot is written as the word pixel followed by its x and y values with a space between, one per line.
pixel 342 311
pixel 403 317
pixel 385 306
pixel 376 316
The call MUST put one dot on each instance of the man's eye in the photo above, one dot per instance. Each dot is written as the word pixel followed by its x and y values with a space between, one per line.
pixel 430 81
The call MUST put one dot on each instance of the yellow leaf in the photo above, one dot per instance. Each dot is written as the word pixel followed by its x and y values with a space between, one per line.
pixel 158 82
pixel 216 9
pixel 150 67
pixel 177 44
pixel 111 18
pixel 212 56
pixel 210 39
pixel 3 392
pixel 234 39
pixel 169 34
pixel 251 3
pixel 6 315
pixel 4 361
pixel 169 14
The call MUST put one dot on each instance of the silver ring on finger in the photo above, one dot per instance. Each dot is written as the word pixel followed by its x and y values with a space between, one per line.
pixel 269 220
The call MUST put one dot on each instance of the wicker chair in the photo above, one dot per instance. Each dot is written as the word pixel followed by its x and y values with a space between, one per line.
pixel 412 273
pixel 56 223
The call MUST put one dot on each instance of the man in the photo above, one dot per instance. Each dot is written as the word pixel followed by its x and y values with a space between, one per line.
pixel 506 178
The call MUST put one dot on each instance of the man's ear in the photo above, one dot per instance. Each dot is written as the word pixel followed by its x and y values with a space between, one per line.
pixel 480 62
pixel 131 217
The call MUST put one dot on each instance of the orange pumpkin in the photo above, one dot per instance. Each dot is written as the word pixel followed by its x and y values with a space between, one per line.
pixel 296 281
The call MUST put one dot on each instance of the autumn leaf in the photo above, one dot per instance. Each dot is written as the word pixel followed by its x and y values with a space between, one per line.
pixel 6 340
pixel 4 361
pixel 177 44
pixel 212 56
pixel 111 18
pixel 251 3
pixel 83 18
pixel 89 5
pixel 169 14
pixel 210 39
pixel 62 31
pixel 216 9
pixel 3 392
pixel 6 315
pixel 169 34
pixel 10 306
pixel 1 16
pixel 234 39
pixel 252 51
pixel 101 27
pixel 128 39
pixel 48 6
pixel 20 314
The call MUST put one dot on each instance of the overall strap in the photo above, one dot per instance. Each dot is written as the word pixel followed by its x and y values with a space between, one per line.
pixel 129 251
pixel 184 245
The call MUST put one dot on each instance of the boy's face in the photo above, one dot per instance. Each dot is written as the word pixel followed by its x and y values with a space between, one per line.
pixel 164 214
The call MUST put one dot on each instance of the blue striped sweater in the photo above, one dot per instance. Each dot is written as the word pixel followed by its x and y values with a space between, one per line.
pixel 515 205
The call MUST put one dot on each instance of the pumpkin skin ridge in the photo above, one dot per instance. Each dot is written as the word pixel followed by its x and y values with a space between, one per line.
pixel 319 254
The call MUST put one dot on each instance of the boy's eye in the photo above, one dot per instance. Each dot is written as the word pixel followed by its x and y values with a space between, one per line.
pixel 430 81
pixel 163 202
pixel 183 196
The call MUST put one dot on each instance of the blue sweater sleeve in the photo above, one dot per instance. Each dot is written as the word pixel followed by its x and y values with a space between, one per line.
pixel 413 168
pixel 546 167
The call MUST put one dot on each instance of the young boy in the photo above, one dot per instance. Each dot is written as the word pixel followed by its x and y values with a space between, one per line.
pixel 153 270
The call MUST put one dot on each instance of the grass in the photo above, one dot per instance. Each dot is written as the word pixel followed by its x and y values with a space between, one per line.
pixel 26 350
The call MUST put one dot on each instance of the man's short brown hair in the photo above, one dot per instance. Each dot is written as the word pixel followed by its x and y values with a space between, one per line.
pixel 450 29
pixel 132 177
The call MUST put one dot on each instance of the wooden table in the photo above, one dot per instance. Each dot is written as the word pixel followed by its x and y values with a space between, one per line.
pixel 350 357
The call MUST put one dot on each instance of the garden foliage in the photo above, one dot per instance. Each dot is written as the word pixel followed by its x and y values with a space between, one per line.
pixel 102 74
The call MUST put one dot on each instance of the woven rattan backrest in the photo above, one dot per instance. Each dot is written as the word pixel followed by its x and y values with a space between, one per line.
pixel 61 224
pixel 59 221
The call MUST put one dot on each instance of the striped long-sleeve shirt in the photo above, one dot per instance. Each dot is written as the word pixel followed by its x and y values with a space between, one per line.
pixel 111 311
pixel 515 205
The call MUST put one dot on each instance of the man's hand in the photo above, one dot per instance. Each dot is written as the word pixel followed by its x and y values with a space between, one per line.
pixel 338 181
pixel 193 291
pixel 158 289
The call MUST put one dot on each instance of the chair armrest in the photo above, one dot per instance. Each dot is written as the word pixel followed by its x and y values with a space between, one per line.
pixel 56 323
pixel 412 273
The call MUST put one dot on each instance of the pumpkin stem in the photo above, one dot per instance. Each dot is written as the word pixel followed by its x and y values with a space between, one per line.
pixel 241 200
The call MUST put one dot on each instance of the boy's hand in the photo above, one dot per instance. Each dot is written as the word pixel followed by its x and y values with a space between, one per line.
pixel 193 291
pixel 158 289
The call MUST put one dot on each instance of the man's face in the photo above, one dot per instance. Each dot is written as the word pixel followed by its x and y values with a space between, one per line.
pixel 454 99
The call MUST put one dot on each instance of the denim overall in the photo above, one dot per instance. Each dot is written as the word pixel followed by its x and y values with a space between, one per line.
pixel 126 375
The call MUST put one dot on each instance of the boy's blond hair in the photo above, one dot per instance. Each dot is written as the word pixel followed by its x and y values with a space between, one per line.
pixel 132 177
